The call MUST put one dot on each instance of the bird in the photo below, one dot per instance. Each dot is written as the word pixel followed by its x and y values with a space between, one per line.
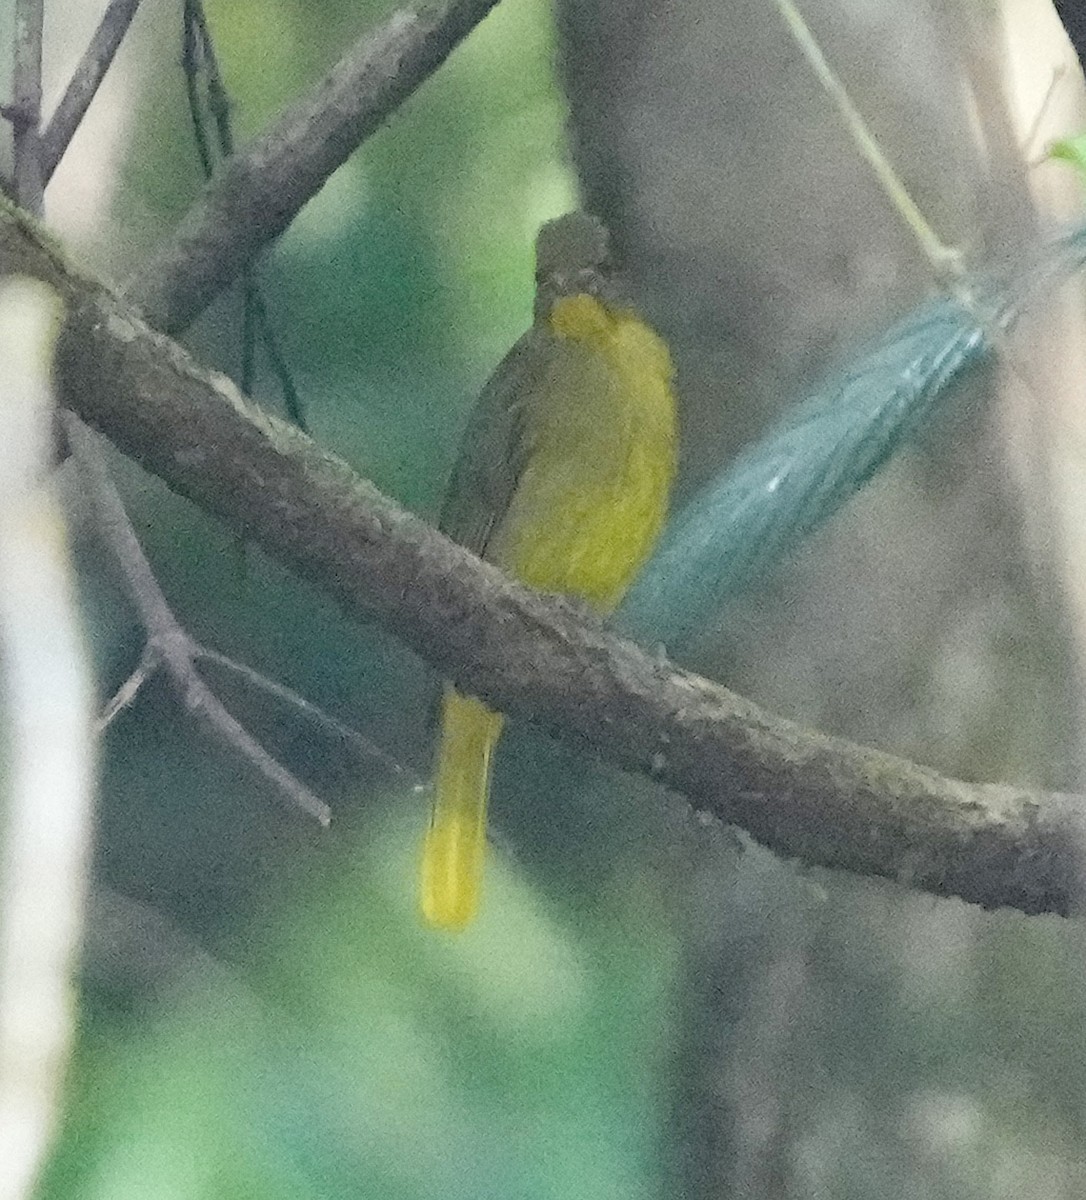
pixel 562 481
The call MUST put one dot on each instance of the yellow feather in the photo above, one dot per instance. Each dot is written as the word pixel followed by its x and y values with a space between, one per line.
pixel 455 846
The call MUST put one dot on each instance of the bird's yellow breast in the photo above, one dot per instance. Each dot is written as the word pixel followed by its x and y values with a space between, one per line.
pixel 601 455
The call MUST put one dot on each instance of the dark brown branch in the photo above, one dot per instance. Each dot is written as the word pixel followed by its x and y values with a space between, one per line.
pixel 24 112
pixel 822 800
pixel 84 83
pixel 258 192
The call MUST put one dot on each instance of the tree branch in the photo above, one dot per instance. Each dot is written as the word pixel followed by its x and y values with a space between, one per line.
pixel 258 192
pixel 84 83
pixel 24 112
pixel 804 795
pixel 364 746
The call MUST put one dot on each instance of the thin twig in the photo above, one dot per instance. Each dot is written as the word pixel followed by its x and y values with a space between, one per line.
pixel 151 660
pixel 198 53
pixel 945 260
pixel 24 112
pixel 292 400
pixel 192 50
pixel 218 102
pixel 257 193
pixel 49 760
pixel 126 694
pixel 307 708
pixel 1059 73
pixel 84 83
pixel 165 634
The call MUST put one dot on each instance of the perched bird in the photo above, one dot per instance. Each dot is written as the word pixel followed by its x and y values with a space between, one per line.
pixel 562 482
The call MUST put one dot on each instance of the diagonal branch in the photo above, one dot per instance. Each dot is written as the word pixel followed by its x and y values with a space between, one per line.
pixel 24 112
pixel 823 800
pixel 365 746
pixel 258 192
pixel 84 83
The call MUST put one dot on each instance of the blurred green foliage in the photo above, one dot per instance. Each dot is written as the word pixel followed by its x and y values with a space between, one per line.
pixel 348 1051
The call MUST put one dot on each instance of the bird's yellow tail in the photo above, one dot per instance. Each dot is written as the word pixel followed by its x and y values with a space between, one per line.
pixel 452 855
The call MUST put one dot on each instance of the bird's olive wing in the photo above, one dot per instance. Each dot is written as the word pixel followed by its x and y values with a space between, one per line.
pixel 495 445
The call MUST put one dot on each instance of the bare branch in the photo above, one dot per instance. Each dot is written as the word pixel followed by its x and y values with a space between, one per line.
pixel 167 639
pixel 84 83
pixel 49 764
pixel 366 746
pixel 258 192
pixel 822 800
pixel 24 112
pixel 126 694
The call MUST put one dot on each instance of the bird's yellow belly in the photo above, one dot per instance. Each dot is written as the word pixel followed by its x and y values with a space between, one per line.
pixel 593 495
pixel 585 538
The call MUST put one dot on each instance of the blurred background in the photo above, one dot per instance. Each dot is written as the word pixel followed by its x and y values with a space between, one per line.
pixel 647 1007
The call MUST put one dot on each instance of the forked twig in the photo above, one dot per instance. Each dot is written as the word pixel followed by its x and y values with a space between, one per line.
pixel 150 661
pixel 167 640
pixel 307 708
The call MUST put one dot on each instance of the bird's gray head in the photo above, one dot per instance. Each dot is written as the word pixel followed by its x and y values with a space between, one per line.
pixel 572 256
